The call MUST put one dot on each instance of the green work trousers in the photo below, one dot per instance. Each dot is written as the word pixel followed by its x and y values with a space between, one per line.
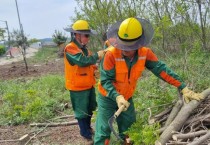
pixel 106 109
pixel 83 102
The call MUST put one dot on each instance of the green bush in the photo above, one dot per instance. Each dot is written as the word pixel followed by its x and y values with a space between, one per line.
pixel 32 100
pixel 2 49
pixel 59 38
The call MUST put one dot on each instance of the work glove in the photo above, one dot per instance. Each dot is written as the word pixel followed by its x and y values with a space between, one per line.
pixel 121 101
pixel 190 95
pixel 101 54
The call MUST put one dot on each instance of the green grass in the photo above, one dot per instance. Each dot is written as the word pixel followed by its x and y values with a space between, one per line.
pixel 33 99
pixel 37 99
pixel 44 54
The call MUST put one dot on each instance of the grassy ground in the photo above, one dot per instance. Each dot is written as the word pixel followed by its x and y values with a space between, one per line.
pixel 41 98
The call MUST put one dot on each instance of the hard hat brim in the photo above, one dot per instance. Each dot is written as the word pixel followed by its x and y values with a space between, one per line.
pixel 144 40
pixel 90 32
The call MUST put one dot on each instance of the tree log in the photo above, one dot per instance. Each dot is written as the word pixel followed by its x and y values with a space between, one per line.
pixel 188 135
pixel 64 117
pixel 180 119
pixel 161 129
pixel 159 116
pixel 174 112
pixel 54 124
pixel 177 143
pixel 201 139
pixel 198 118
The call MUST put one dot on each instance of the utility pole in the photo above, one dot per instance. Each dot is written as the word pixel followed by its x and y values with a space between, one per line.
pixel 21 27
pixel 23 39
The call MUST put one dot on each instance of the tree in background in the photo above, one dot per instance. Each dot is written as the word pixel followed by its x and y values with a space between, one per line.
pixel 59 38
pixel 2 47
pixel 2 31
pixel 21 42
pixel 166 16
pixel 100 14
pixel 33 40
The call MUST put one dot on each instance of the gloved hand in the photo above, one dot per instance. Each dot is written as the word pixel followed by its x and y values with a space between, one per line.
pixel 101 54
pixel 121 101
pixel 190 95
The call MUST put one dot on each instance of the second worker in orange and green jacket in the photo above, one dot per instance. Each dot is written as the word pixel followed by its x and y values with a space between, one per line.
pixel 79 76
pixel 120 69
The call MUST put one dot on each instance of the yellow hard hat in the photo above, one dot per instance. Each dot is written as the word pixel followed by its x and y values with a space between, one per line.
pixel 130 29
pixel 130 34
pixel 80 25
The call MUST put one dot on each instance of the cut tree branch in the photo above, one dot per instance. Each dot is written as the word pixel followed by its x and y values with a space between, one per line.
pixel 174 112
pixel 201 139
pixel 188 135
pixel 180 119
pixel 54 124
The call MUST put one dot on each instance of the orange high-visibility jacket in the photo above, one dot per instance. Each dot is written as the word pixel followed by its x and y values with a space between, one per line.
pixel 125 85
pixel 77 78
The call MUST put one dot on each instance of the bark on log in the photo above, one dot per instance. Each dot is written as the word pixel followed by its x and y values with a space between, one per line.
pixel 161 129
pixel 201 139
pixel 177 143
pixel 174 112
pixel 180 119
pixel 54 124
pixel 188 135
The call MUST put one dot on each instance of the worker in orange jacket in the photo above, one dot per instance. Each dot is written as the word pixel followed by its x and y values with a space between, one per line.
pixel 79 76
pixel 122 65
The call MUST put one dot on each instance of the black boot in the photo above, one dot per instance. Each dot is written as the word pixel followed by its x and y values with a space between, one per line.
pixel 84 128
pixel 89 124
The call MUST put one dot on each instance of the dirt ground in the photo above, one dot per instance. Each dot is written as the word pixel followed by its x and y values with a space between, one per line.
pixel 65 135
pixel 17 69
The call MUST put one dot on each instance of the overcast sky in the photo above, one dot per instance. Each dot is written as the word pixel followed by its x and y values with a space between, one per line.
pixel 40 18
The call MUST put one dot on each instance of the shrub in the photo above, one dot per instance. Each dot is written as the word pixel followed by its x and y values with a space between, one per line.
pixel 59 38
pixel 2 49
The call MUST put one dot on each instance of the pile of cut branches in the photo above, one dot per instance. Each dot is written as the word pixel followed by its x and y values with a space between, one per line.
pixel 185 124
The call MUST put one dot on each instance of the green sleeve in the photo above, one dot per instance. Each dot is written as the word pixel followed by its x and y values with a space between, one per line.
pixel 158 67
pixel 107 78
pixel 105 46
pixel 81 60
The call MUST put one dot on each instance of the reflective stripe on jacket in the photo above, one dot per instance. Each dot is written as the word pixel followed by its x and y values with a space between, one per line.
pixel 125 84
